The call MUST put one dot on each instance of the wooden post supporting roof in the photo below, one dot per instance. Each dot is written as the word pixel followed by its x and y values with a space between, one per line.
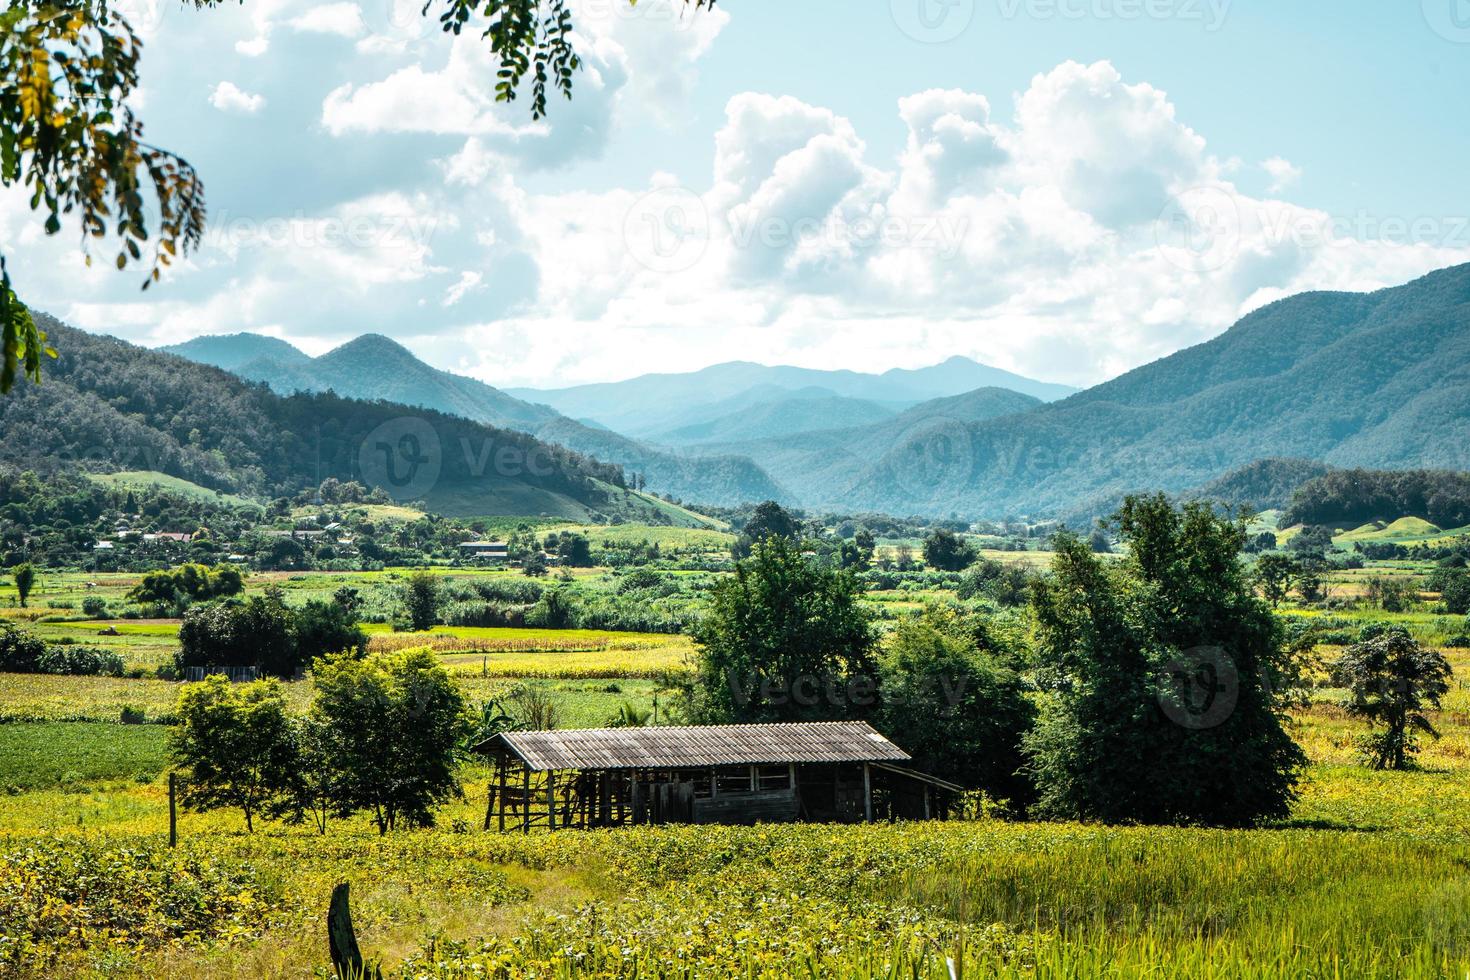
pixel 867 793
pixel 504 764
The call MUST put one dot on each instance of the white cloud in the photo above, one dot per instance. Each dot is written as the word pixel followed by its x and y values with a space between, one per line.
pixel 228 97
pixel 341 19
pixel 1283 174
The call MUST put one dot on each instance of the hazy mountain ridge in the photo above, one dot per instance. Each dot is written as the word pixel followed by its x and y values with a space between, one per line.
pixel 373 366
pixel 655 403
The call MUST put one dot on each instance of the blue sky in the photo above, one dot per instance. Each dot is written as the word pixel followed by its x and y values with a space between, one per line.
pixel 1066 188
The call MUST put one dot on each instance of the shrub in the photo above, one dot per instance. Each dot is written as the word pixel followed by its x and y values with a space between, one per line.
pixel 80 662
pixel 19 649
pixel 95 606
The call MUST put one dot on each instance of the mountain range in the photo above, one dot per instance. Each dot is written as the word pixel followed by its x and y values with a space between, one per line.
pixel 655 404
pixel 105 405
pixel 1376 379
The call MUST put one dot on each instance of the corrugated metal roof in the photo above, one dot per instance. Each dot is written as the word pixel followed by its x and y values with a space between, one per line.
pixel 696 747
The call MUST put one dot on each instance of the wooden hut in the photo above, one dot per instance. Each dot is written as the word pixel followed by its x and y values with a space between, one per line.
pixel 842 771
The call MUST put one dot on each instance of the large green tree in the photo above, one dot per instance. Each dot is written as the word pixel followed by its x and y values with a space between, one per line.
pixel 947 551
pixel 1168 678
pixel 68 133
pixel 237 746
pixel 784 640
pixel 391 728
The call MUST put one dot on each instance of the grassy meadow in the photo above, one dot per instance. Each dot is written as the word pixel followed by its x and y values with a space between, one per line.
pixel 1370 876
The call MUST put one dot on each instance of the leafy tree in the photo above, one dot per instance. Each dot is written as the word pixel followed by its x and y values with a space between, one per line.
pixel 393 728
pixel 1453 586
pixel 783 640
pixel 25 581
pixel 258 632
pixel 68 134
pixel 421 596
pixel 1275 573
pixel 574 550
pixel 1002 583
pixel 1392 680
pixel 236 743
pixel 326 627
pixel 769 520
pixel 947 551
pixel 954 708
pixel 1168 678
pixel 1315 541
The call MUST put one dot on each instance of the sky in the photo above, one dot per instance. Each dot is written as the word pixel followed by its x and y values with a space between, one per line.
pixel 1062 188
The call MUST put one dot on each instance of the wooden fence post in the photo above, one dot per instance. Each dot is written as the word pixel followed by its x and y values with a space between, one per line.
pixel 342 939
pixel 173 809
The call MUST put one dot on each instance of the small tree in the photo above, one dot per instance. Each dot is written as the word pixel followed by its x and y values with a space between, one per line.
pixel 25 581
pixel 421 596
pixel 392 729
pixel 327 627
pixel 1274 574
pixel 1392 680
pixel 237 746
pixel 947 551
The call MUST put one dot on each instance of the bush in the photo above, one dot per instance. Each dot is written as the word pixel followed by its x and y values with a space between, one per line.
pixel 19 649
pixel 133 715
pixel 80 662
pixel 95 606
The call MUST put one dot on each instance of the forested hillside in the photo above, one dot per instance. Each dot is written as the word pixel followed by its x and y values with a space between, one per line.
pixel 105 405
pixel 1380 380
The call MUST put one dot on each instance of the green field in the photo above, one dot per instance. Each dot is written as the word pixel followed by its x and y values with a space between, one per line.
pixel 1366 878
pixel 147 479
